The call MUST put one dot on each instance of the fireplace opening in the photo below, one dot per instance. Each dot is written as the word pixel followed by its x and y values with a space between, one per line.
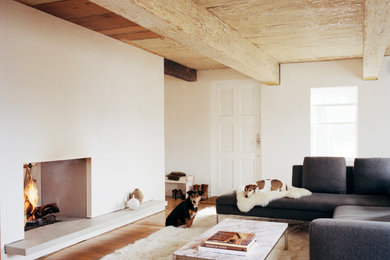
pixel 34 215
pixel 56 191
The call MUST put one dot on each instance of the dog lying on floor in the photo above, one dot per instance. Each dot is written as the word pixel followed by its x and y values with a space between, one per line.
pixel 184 213
pixel 265 185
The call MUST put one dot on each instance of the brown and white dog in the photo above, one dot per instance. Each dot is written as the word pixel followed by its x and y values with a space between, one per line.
pixel 264 185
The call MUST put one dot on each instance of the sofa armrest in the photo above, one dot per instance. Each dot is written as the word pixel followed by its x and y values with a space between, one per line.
pixel 349 239
pixel 297 171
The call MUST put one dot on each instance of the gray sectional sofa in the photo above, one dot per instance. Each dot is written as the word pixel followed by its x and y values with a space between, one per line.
pixel 349 207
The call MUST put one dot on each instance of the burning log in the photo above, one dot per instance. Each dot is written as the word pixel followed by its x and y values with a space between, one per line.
pixel 36 216
pixel 47 209
pixel 41 216
pixel 46 220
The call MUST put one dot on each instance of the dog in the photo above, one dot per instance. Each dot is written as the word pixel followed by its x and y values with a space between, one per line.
pixel 264 185
pixel 184 213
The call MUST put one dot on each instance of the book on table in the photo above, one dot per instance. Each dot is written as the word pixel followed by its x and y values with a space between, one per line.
pixel 226 249
pixel 228 238
pixel 229 242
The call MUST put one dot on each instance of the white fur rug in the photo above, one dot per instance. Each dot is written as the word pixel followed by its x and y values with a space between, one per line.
pixel 262 198
pixel 162 244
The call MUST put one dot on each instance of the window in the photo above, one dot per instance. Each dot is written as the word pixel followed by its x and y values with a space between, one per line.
pixel 334 121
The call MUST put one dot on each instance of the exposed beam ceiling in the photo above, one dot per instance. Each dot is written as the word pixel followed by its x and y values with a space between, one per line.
pixel 287 30
pixel 177 52
pixel 99 19
pixel 197 29
pixel 93 17
pixel 376 36
pixel 296 30
pixel 179 71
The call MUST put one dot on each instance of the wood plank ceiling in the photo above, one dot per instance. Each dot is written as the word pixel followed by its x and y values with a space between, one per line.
pixel 287 30
pixel 99 19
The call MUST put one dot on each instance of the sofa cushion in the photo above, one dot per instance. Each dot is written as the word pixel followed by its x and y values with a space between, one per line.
pixel 325 174
pixel 322 202
pixel 371 176
pixel 327 202
pixel 349 239
pixel 296 214
pixel 362 213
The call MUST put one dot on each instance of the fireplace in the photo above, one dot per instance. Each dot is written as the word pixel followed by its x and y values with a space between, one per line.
pixel 56 191
pixel 67 183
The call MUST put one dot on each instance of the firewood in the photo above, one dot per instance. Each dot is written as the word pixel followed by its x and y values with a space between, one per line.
pixel 46 220
pixel 42 211
pixel 49 219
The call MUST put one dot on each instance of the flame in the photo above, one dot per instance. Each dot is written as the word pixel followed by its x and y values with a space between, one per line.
pixel 30 198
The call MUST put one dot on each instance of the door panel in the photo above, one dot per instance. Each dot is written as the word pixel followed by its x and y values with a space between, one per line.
pixel 225 102
pixel 247 131
pixel 235 124
pixel 225 138
pixel 225 173
pixel 246 101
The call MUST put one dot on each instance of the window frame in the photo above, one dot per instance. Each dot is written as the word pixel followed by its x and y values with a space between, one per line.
pixel 314 123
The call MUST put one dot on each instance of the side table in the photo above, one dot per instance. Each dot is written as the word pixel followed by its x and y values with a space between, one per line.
pixel 184 183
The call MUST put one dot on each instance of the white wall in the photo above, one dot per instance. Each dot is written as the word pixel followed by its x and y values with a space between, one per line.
pixel 285 116
pixel 286 112
pixel 188 123
pixel 67 92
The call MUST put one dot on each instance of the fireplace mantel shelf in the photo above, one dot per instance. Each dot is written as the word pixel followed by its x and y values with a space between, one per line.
pixel 48 239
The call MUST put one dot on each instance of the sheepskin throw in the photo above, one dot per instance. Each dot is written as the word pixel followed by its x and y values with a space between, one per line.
pixel 262 198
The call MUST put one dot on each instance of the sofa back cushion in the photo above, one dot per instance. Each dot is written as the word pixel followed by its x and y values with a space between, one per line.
pixel 371 176
pixel 325 174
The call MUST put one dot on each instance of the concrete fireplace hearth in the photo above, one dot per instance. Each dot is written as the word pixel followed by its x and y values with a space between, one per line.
pixel 48 239
pixel 67 183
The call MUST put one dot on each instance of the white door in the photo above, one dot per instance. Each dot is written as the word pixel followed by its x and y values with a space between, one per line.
pixel 235 134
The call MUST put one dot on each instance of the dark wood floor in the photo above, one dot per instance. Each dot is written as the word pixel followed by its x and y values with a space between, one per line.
pixel 102 245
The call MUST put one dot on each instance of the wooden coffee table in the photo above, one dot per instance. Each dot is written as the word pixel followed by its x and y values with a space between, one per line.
pixel 267 235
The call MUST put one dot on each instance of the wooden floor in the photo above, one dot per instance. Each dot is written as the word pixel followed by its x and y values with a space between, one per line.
pixel 102 245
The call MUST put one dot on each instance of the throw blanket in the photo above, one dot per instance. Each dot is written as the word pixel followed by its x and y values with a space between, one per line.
pixel 262 198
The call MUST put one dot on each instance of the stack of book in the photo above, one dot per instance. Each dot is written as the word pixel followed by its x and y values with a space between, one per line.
pixel 228 242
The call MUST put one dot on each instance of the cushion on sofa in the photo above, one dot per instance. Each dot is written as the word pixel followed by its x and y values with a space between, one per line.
pixel 325 174
pixel 327 202
pixel 349 239
pixel 358 212
pixel 322 202
pixel 371 176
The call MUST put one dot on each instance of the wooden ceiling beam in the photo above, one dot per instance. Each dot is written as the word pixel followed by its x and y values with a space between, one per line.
pixel 36 2
pixel 71 9
pixel 376 36
pixel 196 28
pixel 179 71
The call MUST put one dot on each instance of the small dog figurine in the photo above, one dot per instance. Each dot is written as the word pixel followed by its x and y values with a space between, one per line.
pixel 185 212
pixel 264 185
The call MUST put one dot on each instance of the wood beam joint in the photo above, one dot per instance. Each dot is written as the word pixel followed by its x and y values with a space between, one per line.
pixel 179 71
pixel 198 29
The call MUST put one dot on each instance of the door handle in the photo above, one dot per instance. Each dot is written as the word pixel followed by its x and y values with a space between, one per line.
pixel 258 139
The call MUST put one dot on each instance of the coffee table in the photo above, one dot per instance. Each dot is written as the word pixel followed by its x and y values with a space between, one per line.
pixel 267 235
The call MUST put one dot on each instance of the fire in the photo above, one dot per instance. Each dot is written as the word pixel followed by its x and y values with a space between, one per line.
pixel 31 194
pixel 30 197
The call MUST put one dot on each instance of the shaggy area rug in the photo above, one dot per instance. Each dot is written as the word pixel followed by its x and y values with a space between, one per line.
pixel 163 243
pixel 262 198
